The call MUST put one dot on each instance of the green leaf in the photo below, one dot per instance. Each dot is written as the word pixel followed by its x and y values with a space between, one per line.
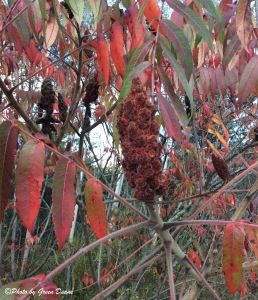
pixel 42 5
pixel 131 71
pixel 180 44
pixel 195 20
pixel 96 10
pixel 126 3
pixel 140 68
pixel 77 7
pixel 178 69
pixel 211 9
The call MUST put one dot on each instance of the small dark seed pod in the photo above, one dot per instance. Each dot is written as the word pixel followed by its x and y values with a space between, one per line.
pixel 220 167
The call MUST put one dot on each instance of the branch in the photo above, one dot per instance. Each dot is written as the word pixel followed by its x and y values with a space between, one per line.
pixel 224 188
pixel 168 225
pixel 17 107
pixel 93 245
pixel 109 290
pixel 88 248
pixel 168 249
pixel 167 238
pixel 102 118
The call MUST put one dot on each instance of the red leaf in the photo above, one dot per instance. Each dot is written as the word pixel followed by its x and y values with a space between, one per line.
pixel 151 12
pixel 28 182
pixel 213 81
pixel 103 57
pixel 194 257
pixel 63 199
pixel 180 44
pixel 44 290
pixel 61 77
pixel 31 51
pixel 135 27
pixel 170 119
pixel 233 257
pixel 248 80
pixel 243 289
pixel 117 47
pixel 100 110
pixel 177 19
pixel 231 79
pixel 8 146
pixel 205 82
pixel 96 210
pixel 241 12
pixel 220 79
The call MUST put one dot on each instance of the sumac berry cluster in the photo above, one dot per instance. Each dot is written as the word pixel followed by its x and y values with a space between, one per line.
pixel 91 96
pixel 141 149
pixel 47 100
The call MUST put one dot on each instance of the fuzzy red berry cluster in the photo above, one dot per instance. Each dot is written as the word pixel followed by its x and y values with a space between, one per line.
pixel 141 149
